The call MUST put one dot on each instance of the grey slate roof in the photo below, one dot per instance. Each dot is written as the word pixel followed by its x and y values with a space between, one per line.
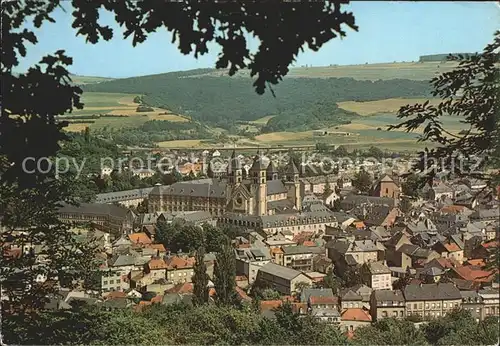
pixel 279 271
pixel 295 250
pixel 378 268
pixel 119 196
pixel 388 296
pixel 93 208
pixel 315 292
pixel 446 291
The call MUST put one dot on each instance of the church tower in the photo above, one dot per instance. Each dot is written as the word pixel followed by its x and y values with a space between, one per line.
pixel 292 184
pixel 234 170
pixel 272 171
pixel 258 175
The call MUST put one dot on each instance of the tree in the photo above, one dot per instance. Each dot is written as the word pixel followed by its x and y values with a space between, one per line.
pixel 471 92
pixel 336 205
pixel 330 281
pixel 300 286
pixel 405 205
pixel 142 207
pixel 411 185
pixel 200 278
pixel 389 331
pixel 225 274
pixel 362 181
pixel 214 237
pixel 328 190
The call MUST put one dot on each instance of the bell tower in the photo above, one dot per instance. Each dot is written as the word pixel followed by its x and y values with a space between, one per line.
pixel 234 170
pixel 258 175
pixel 292 184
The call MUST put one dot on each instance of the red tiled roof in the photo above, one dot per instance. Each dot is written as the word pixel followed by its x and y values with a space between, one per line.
pixel 492 243
pixel 159 247
pixel 157 263
pixel 177 262
pixel 452 247
pixel 452 209
pixel 116 294
pixel 324 300
pixel 476 262
pixel 356 314
pixel 240 278
pixel 270 304
pixel 308 243
pixel 243 295
pixel 182 288
pixel 469 274
pixel 140 238
pixel 157 299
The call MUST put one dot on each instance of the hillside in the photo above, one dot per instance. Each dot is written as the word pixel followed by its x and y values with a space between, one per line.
pixel 83 80
pixel 224 101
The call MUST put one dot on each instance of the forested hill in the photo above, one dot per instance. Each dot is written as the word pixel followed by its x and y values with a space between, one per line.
pixel 221 101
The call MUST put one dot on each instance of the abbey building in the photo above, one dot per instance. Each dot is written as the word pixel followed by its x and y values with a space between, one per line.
pixel 258 192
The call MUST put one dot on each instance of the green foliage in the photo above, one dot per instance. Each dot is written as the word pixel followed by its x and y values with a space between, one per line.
pixel 200 278
pixel 138 99
pixel 470 91
pixel 460 328
pixel 300 103
pixel 144 108
pixel 153 131
pixel 362 181
pixel 224 274
pixel 411 186
pixel 332 282
pixel 389 331
pixel 180 236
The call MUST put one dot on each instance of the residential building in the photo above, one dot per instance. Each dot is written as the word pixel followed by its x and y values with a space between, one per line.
pixel 431 300
pixel 353 318
pixel 322 304
pixel 282 279
pixel 387 186
pixel 249 260
pixel 298 257
pixel 378 276
pixel 110 279
pixel 258 192
pixel 385 303
pixel 126 198
pixel 108 217
pixel 491 302
pixel 179 269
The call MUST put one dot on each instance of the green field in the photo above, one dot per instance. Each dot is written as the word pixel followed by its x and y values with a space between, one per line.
pixel 118 104
pixel 88 79
pixel 403 70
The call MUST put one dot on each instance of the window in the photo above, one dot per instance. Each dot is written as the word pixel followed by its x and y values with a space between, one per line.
pixel 433 305
pixel 415 306
pixel 444 305
pixel 105 282
pixel 427 306
pixel 384 313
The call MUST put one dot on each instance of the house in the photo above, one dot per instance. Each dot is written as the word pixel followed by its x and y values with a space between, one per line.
pixel 298 257
pixel 349 298
pixel 157 267
pixel 322 304
pixel 378 276
pixel 282 279
pixel 409 255
pixel 387 304
pixel 473 302
pixel 449 250
pixel 353 318
pixel 249 260
pixel 179 269
pixel 431 300
pixel 110 279
pixel 386 186
pixel 344 253
pixel 140 239
pixel 491 302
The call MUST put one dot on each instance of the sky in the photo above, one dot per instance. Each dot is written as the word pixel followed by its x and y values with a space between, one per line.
pixel 388 31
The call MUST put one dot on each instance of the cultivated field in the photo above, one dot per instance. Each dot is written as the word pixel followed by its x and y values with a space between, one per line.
pixel 263 120
pixel 381 106
pixel 403 70
pixel 116 104
pixel 187 143
pixel 80 80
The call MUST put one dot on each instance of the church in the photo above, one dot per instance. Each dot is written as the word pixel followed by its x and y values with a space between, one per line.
pixel 258 192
